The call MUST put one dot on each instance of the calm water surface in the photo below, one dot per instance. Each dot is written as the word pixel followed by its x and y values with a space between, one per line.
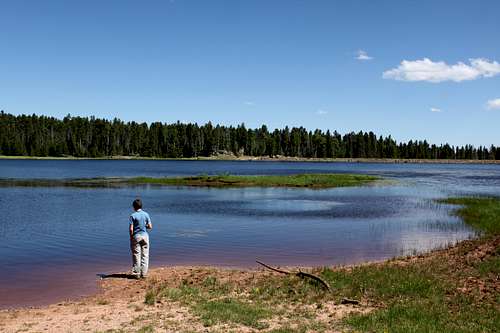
pixel 56 239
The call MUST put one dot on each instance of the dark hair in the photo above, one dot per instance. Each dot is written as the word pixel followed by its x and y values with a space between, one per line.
pixel 137 204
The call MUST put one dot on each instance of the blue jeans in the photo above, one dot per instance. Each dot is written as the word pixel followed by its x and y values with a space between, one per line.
pixel 139 245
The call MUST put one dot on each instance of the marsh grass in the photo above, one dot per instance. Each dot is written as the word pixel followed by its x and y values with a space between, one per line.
pixel 481 213
pixel 226 180
pixel 222 180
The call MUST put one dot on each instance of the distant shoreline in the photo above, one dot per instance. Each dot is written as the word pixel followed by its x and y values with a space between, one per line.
pixel 264 159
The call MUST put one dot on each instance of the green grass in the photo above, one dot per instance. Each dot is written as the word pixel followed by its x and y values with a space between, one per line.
pixel 413 298
pixel 490 266
pixel 383 282
pixel 301 180
pixel 146 329
pixel 211 302
pixel 230 310
pixel 481 213
pixel 151 297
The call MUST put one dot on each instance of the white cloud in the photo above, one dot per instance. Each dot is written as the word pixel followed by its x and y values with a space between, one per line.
pixel 436 110
pixel 362 55
pixel 249 103
pixel 321 112
pixel 493 104
pixel 427 70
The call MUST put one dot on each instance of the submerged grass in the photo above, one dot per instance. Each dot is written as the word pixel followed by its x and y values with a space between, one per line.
pixel 481 213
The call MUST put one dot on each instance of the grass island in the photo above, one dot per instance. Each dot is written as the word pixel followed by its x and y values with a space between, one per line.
pixel 298 180
pixel 316 181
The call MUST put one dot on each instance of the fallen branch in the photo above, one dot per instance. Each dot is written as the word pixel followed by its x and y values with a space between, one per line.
pixel 274 269
pixel 349 301
pixel 300 274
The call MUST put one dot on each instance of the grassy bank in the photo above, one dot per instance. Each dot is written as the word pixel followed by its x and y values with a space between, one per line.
pixel 301 180
pixel 448 291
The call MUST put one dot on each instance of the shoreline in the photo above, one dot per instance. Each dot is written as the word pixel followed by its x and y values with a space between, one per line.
pixel 108 280
pixel 444 290
pixel 122 305
pixel 259 159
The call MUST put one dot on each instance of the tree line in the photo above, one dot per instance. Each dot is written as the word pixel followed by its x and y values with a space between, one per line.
pixel 33 135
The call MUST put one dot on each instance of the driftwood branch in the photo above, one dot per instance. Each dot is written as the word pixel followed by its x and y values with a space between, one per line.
pixel 300 274
pixel 349 301
pixel 274 269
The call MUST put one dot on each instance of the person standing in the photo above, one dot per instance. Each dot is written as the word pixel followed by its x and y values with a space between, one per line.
pixel 139 223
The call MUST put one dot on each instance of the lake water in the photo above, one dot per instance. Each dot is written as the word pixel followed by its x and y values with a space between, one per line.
pixel 56 239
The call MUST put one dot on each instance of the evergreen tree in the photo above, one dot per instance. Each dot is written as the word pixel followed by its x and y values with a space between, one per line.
pixel 32 135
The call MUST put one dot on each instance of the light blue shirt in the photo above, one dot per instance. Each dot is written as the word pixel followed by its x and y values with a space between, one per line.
pixel 139 219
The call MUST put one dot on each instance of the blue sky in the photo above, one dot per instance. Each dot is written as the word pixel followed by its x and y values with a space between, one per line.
pixel 261 62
